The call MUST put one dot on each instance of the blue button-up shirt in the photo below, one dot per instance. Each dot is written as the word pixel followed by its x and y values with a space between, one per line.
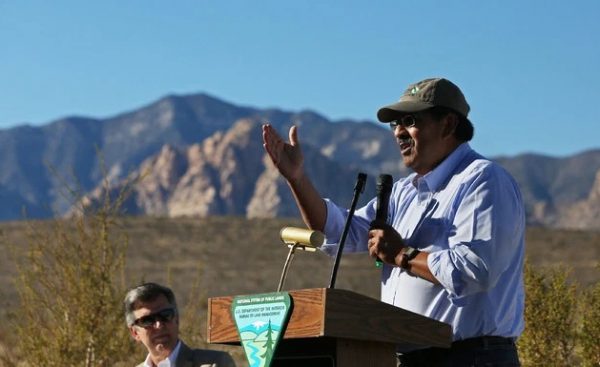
pixel 468 215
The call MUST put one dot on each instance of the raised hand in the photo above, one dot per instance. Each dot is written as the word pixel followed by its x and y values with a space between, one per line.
pixel 287 156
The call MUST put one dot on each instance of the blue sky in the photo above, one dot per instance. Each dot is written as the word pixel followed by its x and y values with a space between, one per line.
pixel 529 69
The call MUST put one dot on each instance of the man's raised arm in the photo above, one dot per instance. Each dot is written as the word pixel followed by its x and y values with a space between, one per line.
pixel 288 158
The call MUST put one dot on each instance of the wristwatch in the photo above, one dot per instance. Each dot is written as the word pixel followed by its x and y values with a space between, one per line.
pixel 409 254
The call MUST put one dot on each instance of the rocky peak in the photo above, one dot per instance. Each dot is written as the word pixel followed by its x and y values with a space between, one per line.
pixel 595 191
pixel 584 214
pixel 226 174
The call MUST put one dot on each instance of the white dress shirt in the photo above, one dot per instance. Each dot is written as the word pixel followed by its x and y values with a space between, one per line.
pixel 468 214
pixel 167 362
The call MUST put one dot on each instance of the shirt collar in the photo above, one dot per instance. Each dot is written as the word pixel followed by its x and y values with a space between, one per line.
pixel 170 361
pixel 440 174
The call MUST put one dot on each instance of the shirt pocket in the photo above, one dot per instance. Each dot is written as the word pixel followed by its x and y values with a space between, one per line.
pixel 431 235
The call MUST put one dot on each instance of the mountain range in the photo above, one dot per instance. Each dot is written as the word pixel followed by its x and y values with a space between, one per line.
pixel 196 155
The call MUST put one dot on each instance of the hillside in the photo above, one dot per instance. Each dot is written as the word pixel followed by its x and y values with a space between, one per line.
pixel 202 156
pixel 235 255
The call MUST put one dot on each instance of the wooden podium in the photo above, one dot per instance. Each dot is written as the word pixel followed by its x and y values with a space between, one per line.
pixel 337 328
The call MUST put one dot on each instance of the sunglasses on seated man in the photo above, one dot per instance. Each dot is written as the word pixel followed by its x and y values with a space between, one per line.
pixel 164 316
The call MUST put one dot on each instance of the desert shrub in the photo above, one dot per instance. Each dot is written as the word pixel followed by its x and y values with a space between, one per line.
pixel 70 285
pixel 193 313
pixel 589 337
pixel 550 322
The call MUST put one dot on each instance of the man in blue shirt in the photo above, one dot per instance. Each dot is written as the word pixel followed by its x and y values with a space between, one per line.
pixel 453 242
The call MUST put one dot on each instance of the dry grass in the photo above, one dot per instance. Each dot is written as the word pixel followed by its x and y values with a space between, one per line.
pixel 232 256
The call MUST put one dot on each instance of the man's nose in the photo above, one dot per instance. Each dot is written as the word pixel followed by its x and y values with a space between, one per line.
pixel 158 324
pixel 400 130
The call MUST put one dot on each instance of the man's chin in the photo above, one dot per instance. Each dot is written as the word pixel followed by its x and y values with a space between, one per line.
pixel 163 345
pixel 408 161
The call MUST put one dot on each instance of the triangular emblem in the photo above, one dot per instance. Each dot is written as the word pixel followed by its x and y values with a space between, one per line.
pixel 261 320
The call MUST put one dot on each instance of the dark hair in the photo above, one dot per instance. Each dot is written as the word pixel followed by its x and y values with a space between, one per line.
pixel 464 130
pixel 146 292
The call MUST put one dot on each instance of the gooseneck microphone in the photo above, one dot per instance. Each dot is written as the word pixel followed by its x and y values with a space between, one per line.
pixel 358 189
pixel 385 183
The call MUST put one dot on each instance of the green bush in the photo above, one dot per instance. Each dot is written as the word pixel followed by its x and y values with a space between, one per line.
pixel 589 338
pixel 562 322
pixel 70 286
pixel 550 309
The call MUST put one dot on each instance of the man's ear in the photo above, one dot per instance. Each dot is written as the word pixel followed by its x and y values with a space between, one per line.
pixel 450 124
pixel 134 333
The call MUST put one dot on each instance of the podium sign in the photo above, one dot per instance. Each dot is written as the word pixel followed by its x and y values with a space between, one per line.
pixel 334 327
pixel 260 321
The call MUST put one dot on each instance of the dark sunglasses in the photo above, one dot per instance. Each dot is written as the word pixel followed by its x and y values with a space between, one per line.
pixel 405 121
pixel 163 316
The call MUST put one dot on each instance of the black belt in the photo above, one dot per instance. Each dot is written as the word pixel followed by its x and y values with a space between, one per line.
pixel 435 356
pixel 482 342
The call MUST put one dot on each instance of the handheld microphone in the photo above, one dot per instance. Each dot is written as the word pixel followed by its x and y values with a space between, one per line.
pixel 384 190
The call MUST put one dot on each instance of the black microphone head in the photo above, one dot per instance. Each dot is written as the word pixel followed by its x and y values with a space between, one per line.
pixel 384 190
pixel 384 182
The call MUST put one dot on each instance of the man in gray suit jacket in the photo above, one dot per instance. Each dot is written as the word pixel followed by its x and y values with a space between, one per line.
pixel 153 320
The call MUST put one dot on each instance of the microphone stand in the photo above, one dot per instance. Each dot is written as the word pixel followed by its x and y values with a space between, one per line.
pixel 358 189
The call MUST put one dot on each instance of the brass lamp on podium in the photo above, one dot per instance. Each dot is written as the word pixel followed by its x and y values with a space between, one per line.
pixel 298 238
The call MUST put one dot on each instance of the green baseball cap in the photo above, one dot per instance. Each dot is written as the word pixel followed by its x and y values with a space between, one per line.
pixel 426 94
